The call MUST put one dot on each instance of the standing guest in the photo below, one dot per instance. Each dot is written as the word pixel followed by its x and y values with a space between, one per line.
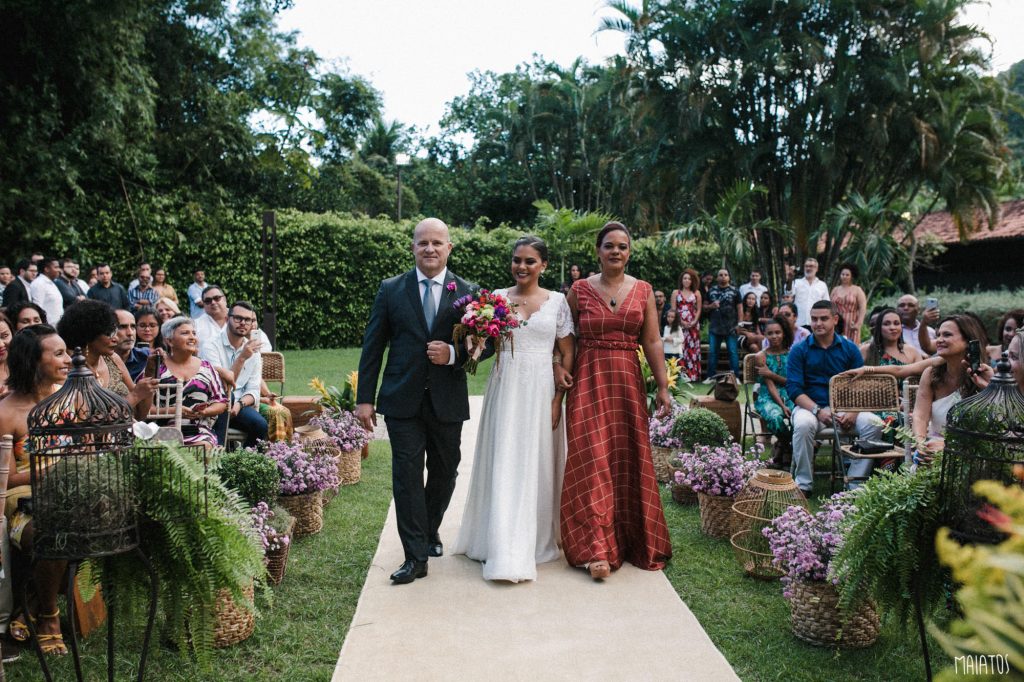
pixel 1008 326
pixel 811 364
pixel 706 280
pixel 807 291
pixel 688 305
pixel 133 358
pixel 775 407
pixel 162 286
pixel 38 363
pixel 25 314
pixel 672 335
pixel 143 269
pixel 722 306
pixel 68 283
pixel 748 326
pixel 18 288
pixel 93 278
pixel 203 398
pixel 575 272
pixel 147 329
pixel 166 309
pixel 913 329
pixel 789 273
pixel 887 346
pixel 107 290
pixel 6 336
pixel 661 305
pixel 195 293
pixel 787 312
pixel 44 291
pixel 215 314
pixel 71 271
pixel 93 327
pixel 611 507
pixel 768 308
pixel 851 301
pixel 143 294
pixel 754 285
pixel 423 395
pixel 6 277
pixel 236 349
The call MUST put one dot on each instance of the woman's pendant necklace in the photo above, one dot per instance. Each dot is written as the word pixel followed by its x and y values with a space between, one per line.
pixel 618 291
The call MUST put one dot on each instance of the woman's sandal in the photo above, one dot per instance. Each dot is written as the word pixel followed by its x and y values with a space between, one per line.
pixel 19 627
pixel 54 643
pixel 599 570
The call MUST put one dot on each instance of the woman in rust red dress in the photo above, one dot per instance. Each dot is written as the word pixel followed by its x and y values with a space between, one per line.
pixel 611 509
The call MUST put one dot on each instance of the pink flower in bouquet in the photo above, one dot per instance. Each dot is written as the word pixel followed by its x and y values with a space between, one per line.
pixel 450 286
pixel 485 315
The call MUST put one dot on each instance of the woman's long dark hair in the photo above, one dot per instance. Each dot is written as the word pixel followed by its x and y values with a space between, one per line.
pixel 877 342
pixel 787 331
pixel 23 356
pixel 972 330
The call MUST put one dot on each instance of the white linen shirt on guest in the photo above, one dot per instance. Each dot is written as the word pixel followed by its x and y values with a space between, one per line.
pixel 195 294
pixel 805 295
pixel 220 353
pixel 207 329
pixel 910 336
pixel 46 295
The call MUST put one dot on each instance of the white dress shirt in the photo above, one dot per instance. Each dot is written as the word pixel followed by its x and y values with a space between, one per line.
pixel 207 329
pixel 195 295
pixel 805 295
pixel 436 290
pixel 45 294
pixel 759 290
pixel 910 336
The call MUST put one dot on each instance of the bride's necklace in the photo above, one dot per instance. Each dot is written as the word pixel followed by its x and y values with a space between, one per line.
pixel 618 291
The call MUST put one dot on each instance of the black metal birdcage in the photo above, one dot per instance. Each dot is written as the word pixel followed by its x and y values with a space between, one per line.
pixel 79 440
pixel 984 440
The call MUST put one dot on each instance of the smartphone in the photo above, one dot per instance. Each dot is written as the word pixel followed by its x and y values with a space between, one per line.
pixel 974 354
pixel 152 363
pixel 931 303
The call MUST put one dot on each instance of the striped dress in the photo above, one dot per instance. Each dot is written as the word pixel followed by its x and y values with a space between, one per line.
pixel 611 508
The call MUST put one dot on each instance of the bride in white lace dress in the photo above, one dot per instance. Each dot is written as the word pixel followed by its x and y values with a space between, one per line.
pixel 511 517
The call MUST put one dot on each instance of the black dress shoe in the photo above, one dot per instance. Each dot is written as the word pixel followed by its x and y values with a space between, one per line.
pixel 409 571
pixel 435 548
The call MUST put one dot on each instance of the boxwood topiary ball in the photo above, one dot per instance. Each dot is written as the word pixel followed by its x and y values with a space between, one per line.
pixel 700 426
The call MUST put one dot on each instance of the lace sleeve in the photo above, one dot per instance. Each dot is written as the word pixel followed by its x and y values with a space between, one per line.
pixel 564 325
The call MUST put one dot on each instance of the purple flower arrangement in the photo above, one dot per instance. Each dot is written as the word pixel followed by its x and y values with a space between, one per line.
pixel 271 540
pixel 302 471
pixel 343 428
pixel 803 544
pixel 661 429
pixel 721 470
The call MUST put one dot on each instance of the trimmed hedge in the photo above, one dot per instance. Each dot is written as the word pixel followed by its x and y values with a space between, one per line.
pixel 330 266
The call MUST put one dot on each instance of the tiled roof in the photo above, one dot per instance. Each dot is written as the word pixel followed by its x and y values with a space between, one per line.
pixel 1010 226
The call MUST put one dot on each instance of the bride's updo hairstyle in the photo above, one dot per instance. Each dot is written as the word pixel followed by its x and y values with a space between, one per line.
pixel 535 243
pixel 613 226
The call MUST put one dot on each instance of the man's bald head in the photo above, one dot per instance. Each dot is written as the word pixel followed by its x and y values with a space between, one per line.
pixel 431 244
pixel 907 307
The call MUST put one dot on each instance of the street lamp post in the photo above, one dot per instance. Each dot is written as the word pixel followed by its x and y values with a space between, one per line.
pixel 400 161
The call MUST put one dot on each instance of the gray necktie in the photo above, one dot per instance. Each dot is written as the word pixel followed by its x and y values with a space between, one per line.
pixel 428 302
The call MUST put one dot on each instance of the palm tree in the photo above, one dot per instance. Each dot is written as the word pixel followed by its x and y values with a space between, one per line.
pixel 564 229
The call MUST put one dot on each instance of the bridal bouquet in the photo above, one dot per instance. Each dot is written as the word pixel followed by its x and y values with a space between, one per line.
pixel 485 315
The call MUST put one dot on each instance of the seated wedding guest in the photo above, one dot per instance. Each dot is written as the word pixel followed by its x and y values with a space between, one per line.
pixel 887 346
pixel 768 308
pixel 162 286
pixel 203 396
pixel 147 329
pixel 6 336
pixel 1008 326
pixel 17 290
pixel 237 350
pixel 166 309
pixel 93 327
pixel 787 311
pixel 914 332
pixel 44 291
pixel 1015 353
pixel 748 325
pixel 38 363
pixel 773 405
pixel 215 314
pixel 134 358
pixel 25 314
pixel 812 363
pixel 672 335
pixel 143 294
pixel 107 290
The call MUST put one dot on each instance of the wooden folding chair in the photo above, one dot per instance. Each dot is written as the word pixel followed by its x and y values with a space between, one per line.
pixel 748 380
pixel 910 387
pixel 273 370
pixel 867 393
pixel 167 404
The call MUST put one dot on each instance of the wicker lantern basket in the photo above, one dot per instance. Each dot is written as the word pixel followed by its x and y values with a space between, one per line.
pixel 767 495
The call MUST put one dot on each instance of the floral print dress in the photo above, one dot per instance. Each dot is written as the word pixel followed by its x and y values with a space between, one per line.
pixel 689 354
pixel 770 411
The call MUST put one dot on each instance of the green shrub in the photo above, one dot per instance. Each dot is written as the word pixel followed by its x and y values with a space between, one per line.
pixel 251 474
pixel 700 426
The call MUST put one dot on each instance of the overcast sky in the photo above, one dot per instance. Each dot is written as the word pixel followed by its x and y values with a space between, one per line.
pixel 417 52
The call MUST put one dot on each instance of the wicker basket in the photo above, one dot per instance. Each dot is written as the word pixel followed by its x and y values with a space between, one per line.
pixel 767 495
pixel 715 515
pixel 817 620
pixel 232 623
pixel 350 466
pixel 308 510
pixel 662 469
pixel 683 494
pixel 277 560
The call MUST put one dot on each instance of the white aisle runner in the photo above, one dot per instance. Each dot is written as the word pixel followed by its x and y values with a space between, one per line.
pixel 453 625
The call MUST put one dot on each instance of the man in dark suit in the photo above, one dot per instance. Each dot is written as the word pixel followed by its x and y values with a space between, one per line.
pixel 423 395
pixel 17 290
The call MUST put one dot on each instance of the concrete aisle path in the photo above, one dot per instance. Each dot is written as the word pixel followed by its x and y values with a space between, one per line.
pixel 453 625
